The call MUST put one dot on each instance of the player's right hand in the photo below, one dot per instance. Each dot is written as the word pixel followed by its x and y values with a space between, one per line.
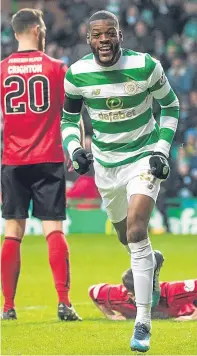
pixel 82 160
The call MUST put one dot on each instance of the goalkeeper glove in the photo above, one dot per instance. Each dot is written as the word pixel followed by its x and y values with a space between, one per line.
pixel 81 160
pixel 159 165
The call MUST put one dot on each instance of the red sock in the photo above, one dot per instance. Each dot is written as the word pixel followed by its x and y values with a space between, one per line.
pixel 10 269
pixel 59 262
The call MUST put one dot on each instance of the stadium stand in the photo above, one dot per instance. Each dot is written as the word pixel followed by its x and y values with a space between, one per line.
pixel 167 29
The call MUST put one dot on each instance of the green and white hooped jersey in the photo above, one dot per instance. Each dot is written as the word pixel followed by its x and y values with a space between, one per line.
pixel 119 102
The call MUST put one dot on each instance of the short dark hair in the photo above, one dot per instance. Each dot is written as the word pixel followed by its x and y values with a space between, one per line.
pixel 127 280
pixel 25 18
pixel 103 15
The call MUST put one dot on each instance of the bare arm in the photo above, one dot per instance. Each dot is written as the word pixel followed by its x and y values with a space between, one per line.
pixel 82 132
pixel 188 317
pixel 109 313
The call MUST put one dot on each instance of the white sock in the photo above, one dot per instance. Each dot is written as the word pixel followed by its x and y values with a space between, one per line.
pixel 143 262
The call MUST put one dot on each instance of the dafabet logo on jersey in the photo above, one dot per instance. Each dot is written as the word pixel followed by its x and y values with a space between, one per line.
pixel 116 116
pixel 115 103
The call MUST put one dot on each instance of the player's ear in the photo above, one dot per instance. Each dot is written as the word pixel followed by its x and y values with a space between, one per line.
pixel 36 30
pixel 121 36
pixel 88 38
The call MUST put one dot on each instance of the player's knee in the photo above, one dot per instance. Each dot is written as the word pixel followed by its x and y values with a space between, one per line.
pixel 136 232
pixel 15 228
pixel 51 226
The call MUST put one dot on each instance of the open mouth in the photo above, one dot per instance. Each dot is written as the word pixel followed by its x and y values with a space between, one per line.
pixel 107 49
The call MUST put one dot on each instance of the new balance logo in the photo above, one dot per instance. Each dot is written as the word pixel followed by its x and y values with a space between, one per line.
pixel 96 92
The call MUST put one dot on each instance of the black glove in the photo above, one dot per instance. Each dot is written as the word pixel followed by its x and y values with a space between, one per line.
pixel 81 160
pixel 159 165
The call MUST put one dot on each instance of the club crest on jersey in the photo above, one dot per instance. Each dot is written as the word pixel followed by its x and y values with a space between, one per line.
pixel 114 103
pixel 131 87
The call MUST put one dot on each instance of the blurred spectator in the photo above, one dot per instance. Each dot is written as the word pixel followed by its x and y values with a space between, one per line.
pixel 191 146
pixel 180 75
pixel 144 37
pixel 51 49
pixel 81 48
pixel 64 4
pixel 113 6
pixel 173 50
pixel 170 19
pixel 65 36
pixel 192 61
pixel 78 11
pixel 8 43
pixel 64 54
pixel 131 16
pixel 48 16
pixel 192 120
pixel 186 183
pixel 6 31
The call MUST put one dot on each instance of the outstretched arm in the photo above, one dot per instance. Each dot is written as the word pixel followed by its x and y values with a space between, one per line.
pixel 193 316
pixel 109 313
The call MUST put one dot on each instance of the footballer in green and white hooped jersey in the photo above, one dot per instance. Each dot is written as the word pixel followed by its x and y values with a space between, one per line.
pixel 117 86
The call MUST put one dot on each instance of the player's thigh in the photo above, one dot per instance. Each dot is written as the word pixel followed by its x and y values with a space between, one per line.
pixel 114 197
pixel 48 191
pixel 115 204
pixel 16 192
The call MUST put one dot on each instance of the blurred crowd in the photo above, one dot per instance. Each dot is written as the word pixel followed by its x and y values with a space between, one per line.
pixel 167 29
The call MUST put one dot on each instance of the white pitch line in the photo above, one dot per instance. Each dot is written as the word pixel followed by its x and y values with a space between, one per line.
pixel 40 307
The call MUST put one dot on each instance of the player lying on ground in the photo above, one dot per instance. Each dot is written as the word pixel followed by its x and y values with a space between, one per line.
pixel 117 301
pixel 33 161
pixel 117 87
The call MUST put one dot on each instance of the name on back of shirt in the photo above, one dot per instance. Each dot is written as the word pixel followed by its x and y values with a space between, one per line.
pixel 26 68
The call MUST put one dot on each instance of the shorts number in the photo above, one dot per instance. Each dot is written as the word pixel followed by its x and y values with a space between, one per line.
pixel 31 90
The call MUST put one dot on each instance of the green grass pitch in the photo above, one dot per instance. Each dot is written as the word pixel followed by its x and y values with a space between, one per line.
pixel 94 259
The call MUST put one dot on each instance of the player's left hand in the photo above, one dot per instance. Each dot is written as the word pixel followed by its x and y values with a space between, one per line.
pixel 159 165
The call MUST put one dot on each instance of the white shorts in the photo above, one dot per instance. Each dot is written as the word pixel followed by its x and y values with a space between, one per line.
pixel 117 185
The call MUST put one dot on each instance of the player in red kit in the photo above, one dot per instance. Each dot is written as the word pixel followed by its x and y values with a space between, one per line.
pixel 32 97
pixel 117 302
